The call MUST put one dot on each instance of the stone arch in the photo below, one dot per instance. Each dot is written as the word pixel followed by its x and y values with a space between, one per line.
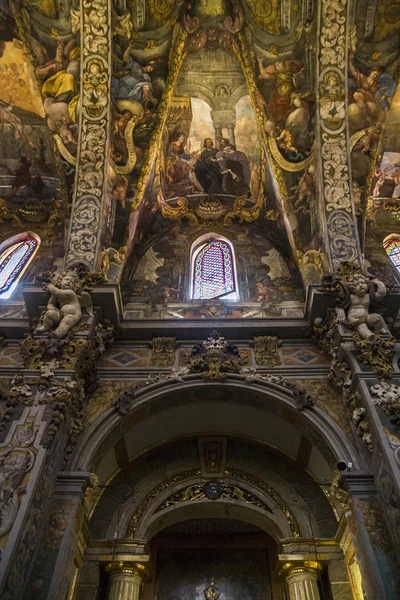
pixel 264 509
pixel 237 94
pixel 107 428
pixel 199 91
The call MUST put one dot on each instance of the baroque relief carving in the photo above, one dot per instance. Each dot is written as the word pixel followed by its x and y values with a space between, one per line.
pixel 16 461
pixel 387 396
pixel 334 150
pixel 193 492
pixel 86 222
pixel 266 350
pixel 163 352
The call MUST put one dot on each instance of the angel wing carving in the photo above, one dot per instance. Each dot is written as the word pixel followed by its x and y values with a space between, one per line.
pixel 86 302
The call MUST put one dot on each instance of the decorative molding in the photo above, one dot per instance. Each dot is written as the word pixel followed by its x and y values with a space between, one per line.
pixel 212 490
pixel 387 397
pixel 212 456
pixel 266 350
pixel 90 182
pixel 335 154
pixel 194 494
pixel 16 461
pixel 163 352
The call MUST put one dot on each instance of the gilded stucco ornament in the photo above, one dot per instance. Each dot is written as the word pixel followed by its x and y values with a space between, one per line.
pixel 214 358
pixel 266 350
pixel 222 490
pixel 338 495
pixel 234 490
pixel 212 592
pixel 163 352
pixel 64 309
pixel 377 352
pixel 90 180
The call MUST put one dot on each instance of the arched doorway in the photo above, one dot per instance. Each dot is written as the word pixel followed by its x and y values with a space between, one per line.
pixel 186 450
pixel 238 557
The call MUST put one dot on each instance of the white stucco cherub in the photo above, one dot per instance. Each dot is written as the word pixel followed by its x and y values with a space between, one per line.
pixel 64 307
pixel 362 291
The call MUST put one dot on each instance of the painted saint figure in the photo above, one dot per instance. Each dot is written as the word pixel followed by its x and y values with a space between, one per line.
pixel 235 169
pixel 371 93
pixel 207 169
pixel 133 82
pixel 59 84
pixel 281 74
pixel 180 163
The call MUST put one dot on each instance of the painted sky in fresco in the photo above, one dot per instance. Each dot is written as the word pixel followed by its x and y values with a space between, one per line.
pixel 245 130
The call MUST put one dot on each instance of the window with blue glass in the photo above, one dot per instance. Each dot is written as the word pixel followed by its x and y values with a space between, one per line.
pixel 213 271
pixel 392 247
pixel 15 255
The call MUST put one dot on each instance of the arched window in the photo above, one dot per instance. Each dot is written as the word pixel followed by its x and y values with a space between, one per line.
pixel 15 255
pixel 392 247
pixel 213 270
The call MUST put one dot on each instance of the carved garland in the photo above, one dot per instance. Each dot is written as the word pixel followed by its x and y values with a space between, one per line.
pixel 90 182
pixel 343 243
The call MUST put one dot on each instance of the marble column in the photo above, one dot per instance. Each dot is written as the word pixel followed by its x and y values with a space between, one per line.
pixel 301 578
pixel 125 581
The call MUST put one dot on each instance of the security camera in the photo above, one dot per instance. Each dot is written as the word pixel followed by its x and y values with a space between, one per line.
pixel 344 466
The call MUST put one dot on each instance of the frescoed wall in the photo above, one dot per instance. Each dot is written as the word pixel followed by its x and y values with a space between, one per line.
pixel 230 125
pixel 373 99
pixel 34 187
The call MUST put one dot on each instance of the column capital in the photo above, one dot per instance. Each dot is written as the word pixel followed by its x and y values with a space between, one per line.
pixel 130 568
pixel 298 564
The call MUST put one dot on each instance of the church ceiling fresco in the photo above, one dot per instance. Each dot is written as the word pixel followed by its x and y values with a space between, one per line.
pixel 34 185
pixel 373 117
pixel 237 114
pixel 213 109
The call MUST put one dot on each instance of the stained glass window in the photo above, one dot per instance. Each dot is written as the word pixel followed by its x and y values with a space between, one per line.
pixel 392 247
pixel 13 261
pixel 213 271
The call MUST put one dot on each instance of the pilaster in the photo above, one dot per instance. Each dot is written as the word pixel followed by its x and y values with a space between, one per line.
pixel 41 517
pixel 371 537
pixel 54 568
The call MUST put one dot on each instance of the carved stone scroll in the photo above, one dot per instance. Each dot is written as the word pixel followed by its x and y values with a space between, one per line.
pixel 90 182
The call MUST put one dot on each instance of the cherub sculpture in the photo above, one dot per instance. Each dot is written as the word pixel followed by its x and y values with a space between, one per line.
pixel 64 308
pixel 360 293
